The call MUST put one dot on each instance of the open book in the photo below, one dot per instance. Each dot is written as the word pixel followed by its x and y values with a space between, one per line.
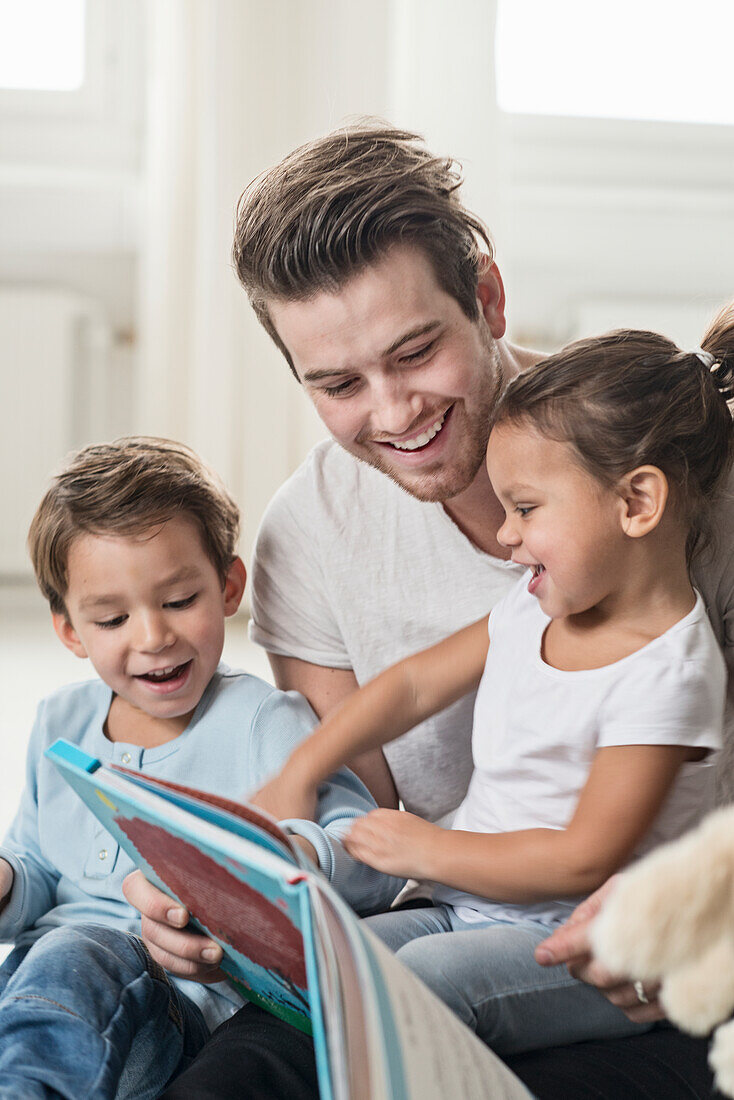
pixel 290 943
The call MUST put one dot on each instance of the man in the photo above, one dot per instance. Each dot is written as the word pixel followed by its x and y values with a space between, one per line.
pixel 380 290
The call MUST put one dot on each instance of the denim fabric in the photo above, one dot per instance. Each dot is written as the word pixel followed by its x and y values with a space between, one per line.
pixel 85 1012
pixel 486 974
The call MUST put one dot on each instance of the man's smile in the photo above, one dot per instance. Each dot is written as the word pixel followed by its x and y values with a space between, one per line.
pixel 421 440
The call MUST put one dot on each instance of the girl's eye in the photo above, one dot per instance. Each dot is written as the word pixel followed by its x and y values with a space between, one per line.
pixel 414 356
pixel 524 509
pixel 179 605
pixel 110 624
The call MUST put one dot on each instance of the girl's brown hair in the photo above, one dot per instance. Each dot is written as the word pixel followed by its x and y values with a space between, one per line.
pixel 632 398
pixel 123 488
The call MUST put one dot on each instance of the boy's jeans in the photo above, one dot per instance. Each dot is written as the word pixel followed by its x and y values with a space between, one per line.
pixel 85 1012
pixel 486 973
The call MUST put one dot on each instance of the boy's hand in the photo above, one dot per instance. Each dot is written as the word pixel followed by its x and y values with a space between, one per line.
pixel 184 953
pixel 6 882
pixel 285 797
pixel 393 841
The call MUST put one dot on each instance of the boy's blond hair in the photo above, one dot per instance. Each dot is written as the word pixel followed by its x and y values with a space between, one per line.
pixel 123 488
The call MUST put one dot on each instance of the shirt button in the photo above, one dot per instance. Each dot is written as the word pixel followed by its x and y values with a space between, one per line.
pixel 103 853
pixel 126 758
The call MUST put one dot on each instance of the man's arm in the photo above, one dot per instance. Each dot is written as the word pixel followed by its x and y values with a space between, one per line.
pixel 325 688
pixel 570 944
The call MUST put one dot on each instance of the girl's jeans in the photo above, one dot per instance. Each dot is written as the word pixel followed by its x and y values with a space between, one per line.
pixel 85 1012
pixel 486 973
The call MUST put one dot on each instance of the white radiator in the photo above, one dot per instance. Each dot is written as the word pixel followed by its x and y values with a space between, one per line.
pixel 54 367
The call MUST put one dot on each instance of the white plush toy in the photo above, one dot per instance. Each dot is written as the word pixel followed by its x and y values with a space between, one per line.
pixel 670 918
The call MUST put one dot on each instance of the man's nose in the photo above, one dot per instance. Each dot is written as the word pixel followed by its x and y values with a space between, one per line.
pixel 396 407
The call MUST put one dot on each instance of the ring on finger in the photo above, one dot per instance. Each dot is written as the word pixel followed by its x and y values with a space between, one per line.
pixel 640 991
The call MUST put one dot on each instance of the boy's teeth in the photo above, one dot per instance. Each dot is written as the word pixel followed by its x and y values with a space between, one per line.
pixel 163 673
pixel 423 438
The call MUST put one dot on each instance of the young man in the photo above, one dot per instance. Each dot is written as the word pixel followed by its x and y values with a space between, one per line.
pixel 381 291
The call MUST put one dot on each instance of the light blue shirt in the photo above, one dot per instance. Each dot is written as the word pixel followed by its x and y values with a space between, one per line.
pixel 69 869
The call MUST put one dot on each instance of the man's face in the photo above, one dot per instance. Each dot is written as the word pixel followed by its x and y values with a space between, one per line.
pixel 398 373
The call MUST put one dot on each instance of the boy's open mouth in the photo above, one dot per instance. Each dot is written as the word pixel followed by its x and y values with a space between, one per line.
pixel 165 675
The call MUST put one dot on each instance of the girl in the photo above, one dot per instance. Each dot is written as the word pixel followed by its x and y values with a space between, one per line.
pixel 601 685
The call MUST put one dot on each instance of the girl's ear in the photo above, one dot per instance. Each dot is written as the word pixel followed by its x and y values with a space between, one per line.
pixel 234 586
pixel 67 635
pixel 644 495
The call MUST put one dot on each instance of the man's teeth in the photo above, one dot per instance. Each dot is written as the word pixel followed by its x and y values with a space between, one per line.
pixel 423 438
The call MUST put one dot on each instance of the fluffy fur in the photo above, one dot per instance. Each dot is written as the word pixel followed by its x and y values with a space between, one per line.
pixel 671 918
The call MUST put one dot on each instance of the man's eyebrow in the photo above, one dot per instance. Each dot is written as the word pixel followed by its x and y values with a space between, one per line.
pixel 412 334
pixel 336 372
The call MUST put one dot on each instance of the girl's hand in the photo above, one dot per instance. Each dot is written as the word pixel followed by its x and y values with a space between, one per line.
pixel 395 842
pixel 284 797
pixel 6 882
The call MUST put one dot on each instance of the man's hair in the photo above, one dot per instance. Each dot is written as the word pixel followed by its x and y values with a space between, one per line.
pixel 632 398
pixel 124 488
pixel 339 203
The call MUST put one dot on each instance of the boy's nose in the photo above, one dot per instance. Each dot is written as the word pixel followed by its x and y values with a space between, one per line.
pixel 155 634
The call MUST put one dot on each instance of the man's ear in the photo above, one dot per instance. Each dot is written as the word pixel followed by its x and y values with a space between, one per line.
pixel 491 295
pixel 234 586
pixel 644 495
pixel 66 634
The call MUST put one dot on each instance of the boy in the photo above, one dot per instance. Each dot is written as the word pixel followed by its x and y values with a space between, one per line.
pixel 134 548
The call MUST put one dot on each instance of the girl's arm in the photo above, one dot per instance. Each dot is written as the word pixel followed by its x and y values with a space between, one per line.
pixel 623 794
pixel 386 707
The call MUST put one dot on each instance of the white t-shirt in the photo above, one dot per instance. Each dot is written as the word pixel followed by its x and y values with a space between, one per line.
pixel 537 728
pixel 350 571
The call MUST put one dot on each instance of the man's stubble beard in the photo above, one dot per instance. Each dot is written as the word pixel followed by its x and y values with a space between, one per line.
pixel 471 450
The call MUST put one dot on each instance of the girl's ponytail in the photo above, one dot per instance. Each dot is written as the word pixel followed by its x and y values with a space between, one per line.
pixel 719 343
pixel 632 398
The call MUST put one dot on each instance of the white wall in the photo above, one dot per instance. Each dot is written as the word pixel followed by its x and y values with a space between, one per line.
pixel 130 201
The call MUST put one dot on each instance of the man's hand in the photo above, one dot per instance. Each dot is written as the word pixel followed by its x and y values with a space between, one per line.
pixel 393 841
pixel 184 953
pixel 570 944
pixel 6 882
pixel 286 797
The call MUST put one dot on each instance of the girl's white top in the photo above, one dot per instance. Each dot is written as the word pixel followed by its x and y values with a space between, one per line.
pixel 536 730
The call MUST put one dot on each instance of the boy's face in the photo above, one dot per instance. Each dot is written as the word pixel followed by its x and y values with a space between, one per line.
pixel 148 610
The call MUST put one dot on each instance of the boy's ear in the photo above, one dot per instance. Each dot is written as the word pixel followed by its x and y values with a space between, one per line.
pixel 491 295
pixel 66 634
pixel 234 586
pixel 644 495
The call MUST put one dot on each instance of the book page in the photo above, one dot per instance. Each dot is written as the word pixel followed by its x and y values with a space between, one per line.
pixel 416 1048
pixel 441 1057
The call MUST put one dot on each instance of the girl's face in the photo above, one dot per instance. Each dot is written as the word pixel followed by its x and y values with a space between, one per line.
pixel 559 521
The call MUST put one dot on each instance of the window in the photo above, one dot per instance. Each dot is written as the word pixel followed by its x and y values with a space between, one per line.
pixel 632 59
pixel 42 44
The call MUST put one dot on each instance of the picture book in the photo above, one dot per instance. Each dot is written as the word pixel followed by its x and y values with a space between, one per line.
pixel 290 942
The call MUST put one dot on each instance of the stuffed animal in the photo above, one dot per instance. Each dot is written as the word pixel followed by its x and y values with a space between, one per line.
pixel 670 918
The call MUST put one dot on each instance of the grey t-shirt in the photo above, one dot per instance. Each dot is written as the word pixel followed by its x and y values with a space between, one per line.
pixel 352 572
